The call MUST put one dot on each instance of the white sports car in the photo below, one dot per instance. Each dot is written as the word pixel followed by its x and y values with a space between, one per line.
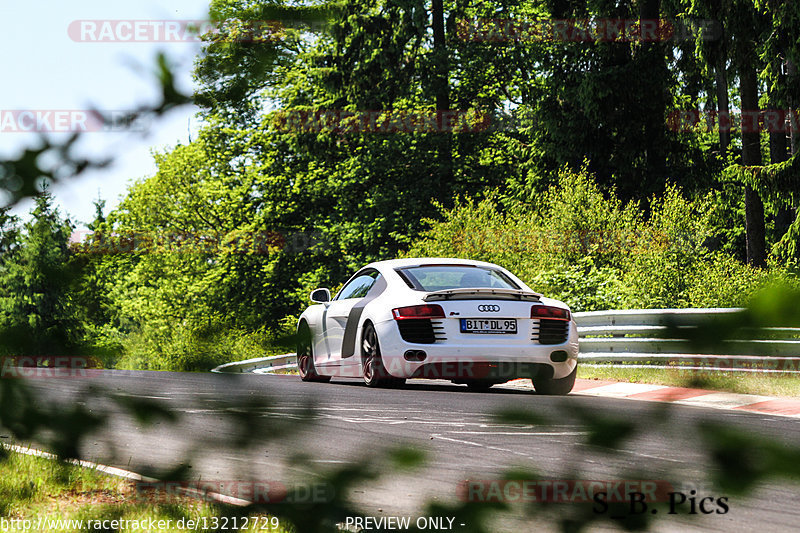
pixel 469 322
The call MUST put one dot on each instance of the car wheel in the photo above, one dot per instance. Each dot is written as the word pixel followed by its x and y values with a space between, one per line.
pixel 305 357
pixel 479 386
pixel 555 387
pixel 375 374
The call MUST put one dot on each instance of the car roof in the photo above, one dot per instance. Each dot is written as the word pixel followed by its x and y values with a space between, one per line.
pixel 417 261
pixel 387 267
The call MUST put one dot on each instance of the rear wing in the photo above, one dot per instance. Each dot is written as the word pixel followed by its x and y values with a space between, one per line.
pixel 483 294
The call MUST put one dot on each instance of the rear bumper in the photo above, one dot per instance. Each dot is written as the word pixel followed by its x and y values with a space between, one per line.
pixel 481 357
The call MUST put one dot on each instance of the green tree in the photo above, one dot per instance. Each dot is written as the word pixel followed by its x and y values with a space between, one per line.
pixel 9 233
pixel 39 315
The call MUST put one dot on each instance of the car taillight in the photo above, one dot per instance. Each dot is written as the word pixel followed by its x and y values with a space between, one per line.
pixel 548 311
pixel 418 311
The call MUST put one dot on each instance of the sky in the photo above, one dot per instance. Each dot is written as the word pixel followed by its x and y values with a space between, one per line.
pixel 48 65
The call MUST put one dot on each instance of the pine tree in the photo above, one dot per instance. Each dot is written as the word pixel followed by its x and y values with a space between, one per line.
pixel 37 312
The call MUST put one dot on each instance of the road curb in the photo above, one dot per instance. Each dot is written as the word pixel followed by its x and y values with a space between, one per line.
pixel 788 407
pixel 752 403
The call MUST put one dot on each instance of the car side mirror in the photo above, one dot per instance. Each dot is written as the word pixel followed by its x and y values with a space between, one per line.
pixel 320 296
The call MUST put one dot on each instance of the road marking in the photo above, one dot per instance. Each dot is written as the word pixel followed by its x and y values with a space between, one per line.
pixel 648 456
pixel 535 434
pixel 724 400
pixel 125 395
pixel 621 390
pixel 438 436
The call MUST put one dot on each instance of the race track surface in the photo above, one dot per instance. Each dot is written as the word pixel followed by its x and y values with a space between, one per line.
pixel 457 430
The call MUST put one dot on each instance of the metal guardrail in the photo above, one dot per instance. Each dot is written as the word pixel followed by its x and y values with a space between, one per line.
pixel 633 338
pixel 625 338
pixel 272 363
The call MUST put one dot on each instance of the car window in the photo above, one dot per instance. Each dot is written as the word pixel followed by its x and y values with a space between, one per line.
pixel 359 286
pixel 442 277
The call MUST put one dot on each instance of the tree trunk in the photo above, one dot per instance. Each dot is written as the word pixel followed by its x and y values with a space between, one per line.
pixel 654 76
pixel 440 57
pixel 723 106
pixel 751 156
pixel 441 91
pixel 778 144
pixel 791 78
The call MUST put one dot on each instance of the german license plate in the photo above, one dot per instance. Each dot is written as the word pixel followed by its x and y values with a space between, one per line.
pixel 488 325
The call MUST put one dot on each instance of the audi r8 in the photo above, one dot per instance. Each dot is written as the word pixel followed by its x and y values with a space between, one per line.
pixel 469 322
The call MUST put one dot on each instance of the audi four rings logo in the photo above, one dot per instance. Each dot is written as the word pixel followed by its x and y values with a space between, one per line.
pixel 485 308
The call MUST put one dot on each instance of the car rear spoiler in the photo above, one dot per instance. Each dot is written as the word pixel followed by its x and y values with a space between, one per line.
pixel 483 294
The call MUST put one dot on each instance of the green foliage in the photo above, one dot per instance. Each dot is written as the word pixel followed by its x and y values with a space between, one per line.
pixel 254 42
pixel 588 249
pixel 658 276
pixel 779 182
pixel 352 197
pixel 38 314
pixel 185 349
pixel 583 286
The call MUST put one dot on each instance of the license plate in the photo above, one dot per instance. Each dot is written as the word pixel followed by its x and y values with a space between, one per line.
pixel 488 325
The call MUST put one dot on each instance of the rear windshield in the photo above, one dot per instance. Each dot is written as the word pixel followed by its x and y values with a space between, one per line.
pixel 442 277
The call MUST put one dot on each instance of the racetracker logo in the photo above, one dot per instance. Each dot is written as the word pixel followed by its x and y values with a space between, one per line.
pixel 563 491
pixel 713 364
pixel 587 30
pixel 769 120
pixel 168 31
pixel 202 242
pixel 381 121
pixel 258 492
pixel 48 366
pixel 71 121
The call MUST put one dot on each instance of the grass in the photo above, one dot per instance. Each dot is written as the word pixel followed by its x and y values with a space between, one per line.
pixel 35 488
pixel 786 385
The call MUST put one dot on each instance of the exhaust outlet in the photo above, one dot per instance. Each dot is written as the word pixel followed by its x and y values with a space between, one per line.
pixel 415 355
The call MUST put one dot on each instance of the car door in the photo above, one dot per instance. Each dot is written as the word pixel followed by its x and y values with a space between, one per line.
pixel 343 308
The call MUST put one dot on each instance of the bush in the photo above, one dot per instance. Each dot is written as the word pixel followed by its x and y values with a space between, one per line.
pixel 659 272
pixel 583 286
pixel 581 246
pixel 186 349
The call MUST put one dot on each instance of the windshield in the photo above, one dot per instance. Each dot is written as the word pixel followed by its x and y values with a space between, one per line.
pixel 442 277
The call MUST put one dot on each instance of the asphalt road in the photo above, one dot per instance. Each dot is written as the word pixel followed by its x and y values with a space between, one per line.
pixel 234 427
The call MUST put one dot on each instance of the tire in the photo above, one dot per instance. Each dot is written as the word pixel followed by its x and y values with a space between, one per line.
pixel 372 369
pixel 479 386
pixel 555 387
pixel 305 357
